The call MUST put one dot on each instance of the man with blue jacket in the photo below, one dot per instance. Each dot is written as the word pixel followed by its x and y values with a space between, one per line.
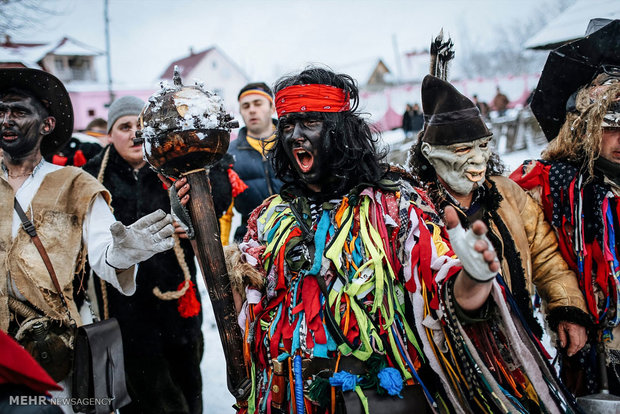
pixel 250 150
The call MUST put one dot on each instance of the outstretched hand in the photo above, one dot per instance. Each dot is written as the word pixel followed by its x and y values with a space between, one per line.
pixel 141 240
pixel 480 266
pixel 472 247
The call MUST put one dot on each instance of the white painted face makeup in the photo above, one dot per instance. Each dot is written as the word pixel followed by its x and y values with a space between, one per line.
pixel 461 166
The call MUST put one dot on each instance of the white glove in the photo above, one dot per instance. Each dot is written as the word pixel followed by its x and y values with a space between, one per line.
pixel 136 243
pixel 473 262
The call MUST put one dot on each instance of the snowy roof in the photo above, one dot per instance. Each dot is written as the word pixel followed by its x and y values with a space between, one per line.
pixel 29 56
pixel 71 47
pixel 186 64
pixel 572 23
pixel 30 53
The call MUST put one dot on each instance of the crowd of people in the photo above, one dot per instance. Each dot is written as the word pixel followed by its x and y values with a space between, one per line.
pixel 360 286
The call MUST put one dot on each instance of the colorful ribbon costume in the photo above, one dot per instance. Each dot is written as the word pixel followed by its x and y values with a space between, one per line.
pixel 359 299
pixel 585 216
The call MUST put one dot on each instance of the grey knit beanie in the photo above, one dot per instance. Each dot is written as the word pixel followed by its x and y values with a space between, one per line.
pixel 127 105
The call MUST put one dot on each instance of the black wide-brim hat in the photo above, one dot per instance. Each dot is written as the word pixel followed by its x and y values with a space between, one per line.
pixel 449 116
pixel 56 99
pixel 568 68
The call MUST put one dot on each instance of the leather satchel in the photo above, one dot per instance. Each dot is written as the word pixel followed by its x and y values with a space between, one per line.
pixel 98 368
pixel 98 365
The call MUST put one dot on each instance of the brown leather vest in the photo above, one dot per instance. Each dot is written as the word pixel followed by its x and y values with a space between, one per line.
pixel 58 210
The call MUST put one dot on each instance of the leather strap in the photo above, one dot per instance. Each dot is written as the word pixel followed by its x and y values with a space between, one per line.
pixel 32 232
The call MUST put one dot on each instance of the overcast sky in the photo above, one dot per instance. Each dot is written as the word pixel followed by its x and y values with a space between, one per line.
pixel 268 38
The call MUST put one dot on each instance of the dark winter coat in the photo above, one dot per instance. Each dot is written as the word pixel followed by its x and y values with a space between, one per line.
pixel 148 323
pixel 257 173
pixel 407 122
pixel 417 121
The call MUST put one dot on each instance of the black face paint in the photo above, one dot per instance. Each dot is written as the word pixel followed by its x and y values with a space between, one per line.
pixel 303 137
pixel 21 125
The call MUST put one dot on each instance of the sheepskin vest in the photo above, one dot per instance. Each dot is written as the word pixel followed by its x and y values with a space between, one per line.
pixel 58 210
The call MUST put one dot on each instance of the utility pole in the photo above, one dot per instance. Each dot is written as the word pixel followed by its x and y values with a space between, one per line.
pixel 107 49
pixel 399 75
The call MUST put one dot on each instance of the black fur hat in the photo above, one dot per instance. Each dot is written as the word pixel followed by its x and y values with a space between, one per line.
pixel 449 116
pixel 570 67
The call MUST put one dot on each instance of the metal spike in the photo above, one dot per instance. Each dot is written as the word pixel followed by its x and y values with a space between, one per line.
pixel 176 78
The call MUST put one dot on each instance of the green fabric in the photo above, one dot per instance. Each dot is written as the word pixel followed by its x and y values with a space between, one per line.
pixel 363 398
pixel 320 391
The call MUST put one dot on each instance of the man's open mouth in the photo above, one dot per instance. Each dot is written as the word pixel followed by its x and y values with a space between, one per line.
pixel 9 136
pixel 475 175
pixel 305 160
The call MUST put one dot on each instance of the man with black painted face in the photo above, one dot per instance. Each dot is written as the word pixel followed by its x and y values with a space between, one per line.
pixel 350 287
pixel 69 210
pixel 454 161
pixel 303 139
pixel 321 144
pixel 21 136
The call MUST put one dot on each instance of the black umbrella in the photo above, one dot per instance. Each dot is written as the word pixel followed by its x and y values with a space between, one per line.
pixel 567 69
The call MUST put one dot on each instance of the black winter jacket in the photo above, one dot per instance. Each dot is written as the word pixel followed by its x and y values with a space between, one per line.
pixel 147 322
pixel 257 173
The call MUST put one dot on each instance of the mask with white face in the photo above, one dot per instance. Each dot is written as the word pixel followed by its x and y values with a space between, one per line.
pixel 461 166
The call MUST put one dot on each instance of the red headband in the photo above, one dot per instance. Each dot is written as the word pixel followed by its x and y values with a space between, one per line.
pixel 311 98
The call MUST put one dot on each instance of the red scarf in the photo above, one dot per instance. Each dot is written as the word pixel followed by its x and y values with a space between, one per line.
pixel 311 98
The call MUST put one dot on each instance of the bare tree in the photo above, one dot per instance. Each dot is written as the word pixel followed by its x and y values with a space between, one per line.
pixel 17 15
pixel 506 55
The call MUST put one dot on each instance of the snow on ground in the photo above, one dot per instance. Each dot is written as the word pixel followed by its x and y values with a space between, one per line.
pixel 515 159
pixel 215 396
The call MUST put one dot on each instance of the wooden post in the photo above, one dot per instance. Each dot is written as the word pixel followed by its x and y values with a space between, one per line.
pixel 175 146
pixel 212 263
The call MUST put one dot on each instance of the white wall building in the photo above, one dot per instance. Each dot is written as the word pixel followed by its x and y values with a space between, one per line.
pixel 216 70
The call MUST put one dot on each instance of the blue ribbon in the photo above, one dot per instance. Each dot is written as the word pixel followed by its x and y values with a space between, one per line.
pixel 319 243
pixel 299 385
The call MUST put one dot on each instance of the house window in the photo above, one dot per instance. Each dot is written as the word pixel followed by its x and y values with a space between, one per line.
pixel 91 112
pixel 80 67
pixel 72 68
pixel 59 63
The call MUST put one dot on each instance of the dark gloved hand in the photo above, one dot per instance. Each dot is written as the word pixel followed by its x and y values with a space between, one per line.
pixel 180 213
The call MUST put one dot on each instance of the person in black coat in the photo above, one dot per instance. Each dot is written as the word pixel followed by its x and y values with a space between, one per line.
pixel 407 119
pixel 417 119
pixel 162 339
